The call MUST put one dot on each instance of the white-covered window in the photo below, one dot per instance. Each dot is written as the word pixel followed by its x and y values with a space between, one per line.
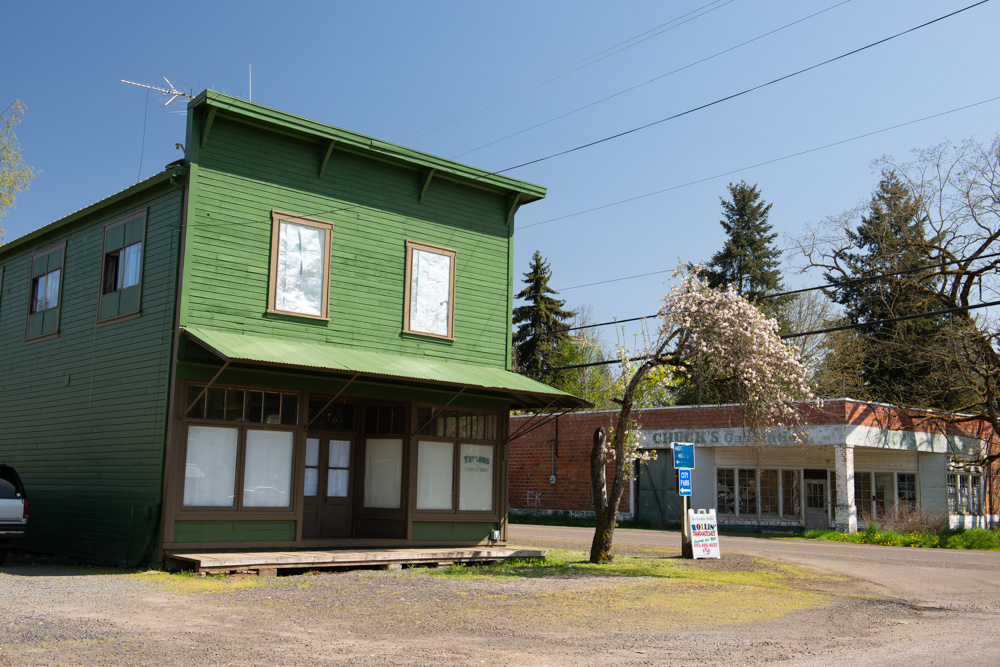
pixel 965 493
pixel 300 266
pixel 430 287
pixel 435 475
pixel 210 471
pixel 383 472
pixel 267 478
pixel 476 478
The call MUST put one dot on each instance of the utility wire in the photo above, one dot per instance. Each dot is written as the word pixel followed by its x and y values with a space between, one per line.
pixel 831 285
pixel 739 94
pixel 474 179
pixel 859 325
pixel 758 164
pixel 653 80
pixel 560 73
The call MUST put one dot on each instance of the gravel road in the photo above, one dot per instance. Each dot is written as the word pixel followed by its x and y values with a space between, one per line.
pixel 56 614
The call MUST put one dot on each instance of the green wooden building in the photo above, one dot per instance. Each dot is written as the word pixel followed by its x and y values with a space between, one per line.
pixel 296 337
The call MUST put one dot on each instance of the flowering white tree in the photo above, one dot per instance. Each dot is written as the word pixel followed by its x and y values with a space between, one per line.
pixel 710 335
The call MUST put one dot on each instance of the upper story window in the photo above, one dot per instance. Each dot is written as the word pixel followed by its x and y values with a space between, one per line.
pixel 121 272
pixel 429 307
pixel 46 291
pixel 300 266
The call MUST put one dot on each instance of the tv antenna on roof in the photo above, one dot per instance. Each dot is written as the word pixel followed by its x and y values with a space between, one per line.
pixel 171 91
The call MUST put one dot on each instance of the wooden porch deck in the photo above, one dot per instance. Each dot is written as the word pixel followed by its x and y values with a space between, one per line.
pixel 267 563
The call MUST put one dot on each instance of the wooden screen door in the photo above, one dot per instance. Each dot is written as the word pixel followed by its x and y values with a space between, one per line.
pixel 328 488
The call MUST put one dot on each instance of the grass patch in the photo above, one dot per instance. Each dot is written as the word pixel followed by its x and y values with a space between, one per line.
pixel 974 538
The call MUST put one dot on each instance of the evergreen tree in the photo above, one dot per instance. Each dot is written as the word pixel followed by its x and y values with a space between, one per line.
pixel 535 346
pixel 748 261
pixel 900 361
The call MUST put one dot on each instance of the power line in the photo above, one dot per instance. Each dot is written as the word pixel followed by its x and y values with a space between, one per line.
pixel 739 94
pixel 560 73
pixel 859 325
pixel 758 164
pixel 653 80
pixel 831 285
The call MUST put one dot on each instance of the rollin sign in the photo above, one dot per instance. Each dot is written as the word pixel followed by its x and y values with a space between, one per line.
pixel 704 534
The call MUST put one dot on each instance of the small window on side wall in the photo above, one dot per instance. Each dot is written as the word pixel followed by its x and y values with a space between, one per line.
pixel 429 306
pixel 300 266
pixel 45 294
pixel 121 270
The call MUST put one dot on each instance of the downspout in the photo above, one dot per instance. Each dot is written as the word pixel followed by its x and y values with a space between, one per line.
pixel 554 443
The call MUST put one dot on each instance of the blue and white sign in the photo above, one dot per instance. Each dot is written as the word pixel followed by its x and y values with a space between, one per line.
pixel 684 481
pixel 683 455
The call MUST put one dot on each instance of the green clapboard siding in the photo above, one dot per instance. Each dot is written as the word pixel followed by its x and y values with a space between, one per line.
pixel 234 531
pixel 244 172
pixel 457 531
pixel 83 414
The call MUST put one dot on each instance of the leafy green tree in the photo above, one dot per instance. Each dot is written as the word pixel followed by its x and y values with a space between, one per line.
pixel 14 174
pixel 537 338
pixel 748 261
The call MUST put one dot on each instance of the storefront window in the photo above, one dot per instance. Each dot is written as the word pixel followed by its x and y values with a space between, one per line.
pixel 210 471
pixel 725 483
pixel 383 472
pixel 476 478
pixel 267 479
pixel 769 492
pixel 748 491
pixel 791 493
pixel 435 475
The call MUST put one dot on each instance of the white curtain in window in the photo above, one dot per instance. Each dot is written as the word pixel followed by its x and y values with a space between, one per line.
pixel 336 483
pixel 475 484
pixel 267 480
pixel 311 486
pixel 130 260
pixel 52 289
pixel 435 468
pixel 340 453
pixel 301 264
pixel 210 474
pixel 430 292
pixel 383 472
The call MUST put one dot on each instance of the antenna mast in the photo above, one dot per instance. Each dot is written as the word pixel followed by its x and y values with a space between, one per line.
pixel 172 91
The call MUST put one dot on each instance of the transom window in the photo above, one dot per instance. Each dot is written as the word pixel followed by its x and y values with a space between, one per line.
pixel 430 287
pixel 300 266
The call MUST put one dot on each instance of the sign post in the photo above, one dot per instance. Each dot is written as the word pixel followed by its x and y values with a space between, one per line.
pixel 684 464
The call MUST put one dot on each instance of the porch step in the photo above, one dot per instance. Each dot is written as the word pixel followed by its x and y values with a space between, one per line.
pixel 268 562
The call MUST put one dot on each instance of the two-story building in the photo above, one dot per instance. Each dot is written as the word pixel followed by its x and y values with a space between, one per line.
pixel 295 337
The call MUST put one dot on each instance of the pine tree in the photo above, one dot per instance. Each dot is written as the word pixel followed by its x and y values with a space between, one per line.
pixel 900 360
pixel 748 262
pixel 535 346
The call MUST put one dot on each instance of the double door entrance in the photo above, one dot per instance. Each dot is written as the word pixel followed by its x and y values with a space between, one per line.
pixel 328 489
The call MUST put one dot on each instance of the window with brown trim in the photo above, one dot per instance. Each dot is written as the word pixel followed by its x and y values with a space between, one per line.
pixel 300 266
pixel 46 292
pixel 121 270
pixel 429 304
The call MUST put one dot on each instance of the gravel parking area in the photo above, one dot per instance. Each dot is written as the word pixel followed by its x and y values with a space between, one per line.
pixel 58 614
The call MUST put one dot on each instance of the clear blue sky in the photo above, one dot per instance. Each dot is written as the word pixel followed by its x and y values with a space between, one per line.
pixel 389 69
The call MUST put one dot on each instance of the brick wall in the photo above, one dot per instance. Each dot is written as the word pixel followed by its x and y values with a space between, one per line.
pixel 531 456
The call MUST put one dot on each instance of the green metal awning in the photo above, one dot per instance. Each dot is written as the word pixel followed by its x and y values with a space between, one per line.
pixel 523 392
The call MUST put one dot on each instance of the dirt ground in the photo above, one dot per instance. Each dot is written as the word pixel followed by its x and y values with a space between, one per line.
pixel 58 614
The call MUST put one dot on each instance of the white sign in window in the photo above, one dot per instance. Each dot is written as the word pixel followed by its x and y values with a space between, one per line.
pixel 383 472
pixel 267 480
pixel 435 475
pixel 475 484
pixel 210 471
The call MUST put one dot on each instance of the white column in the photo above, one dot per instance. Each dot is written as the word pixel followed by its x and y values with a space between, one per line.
pixel 845 512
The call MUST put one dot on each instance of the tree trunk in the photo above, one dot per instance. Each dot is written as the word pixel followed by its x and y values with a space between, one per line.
pixel 601 548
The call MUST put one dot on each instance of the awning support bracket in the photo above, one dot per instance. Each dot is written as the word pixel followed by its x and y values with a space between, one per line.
pixel 427 184
pixel 204 389
pixel 438 412
pixel 209 119
pixel 330 402
pixel 326 157
pixel 514 205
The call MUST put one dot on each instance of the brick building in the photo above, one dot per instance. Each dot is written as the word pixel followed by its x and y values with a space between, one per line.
pixel 864 461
